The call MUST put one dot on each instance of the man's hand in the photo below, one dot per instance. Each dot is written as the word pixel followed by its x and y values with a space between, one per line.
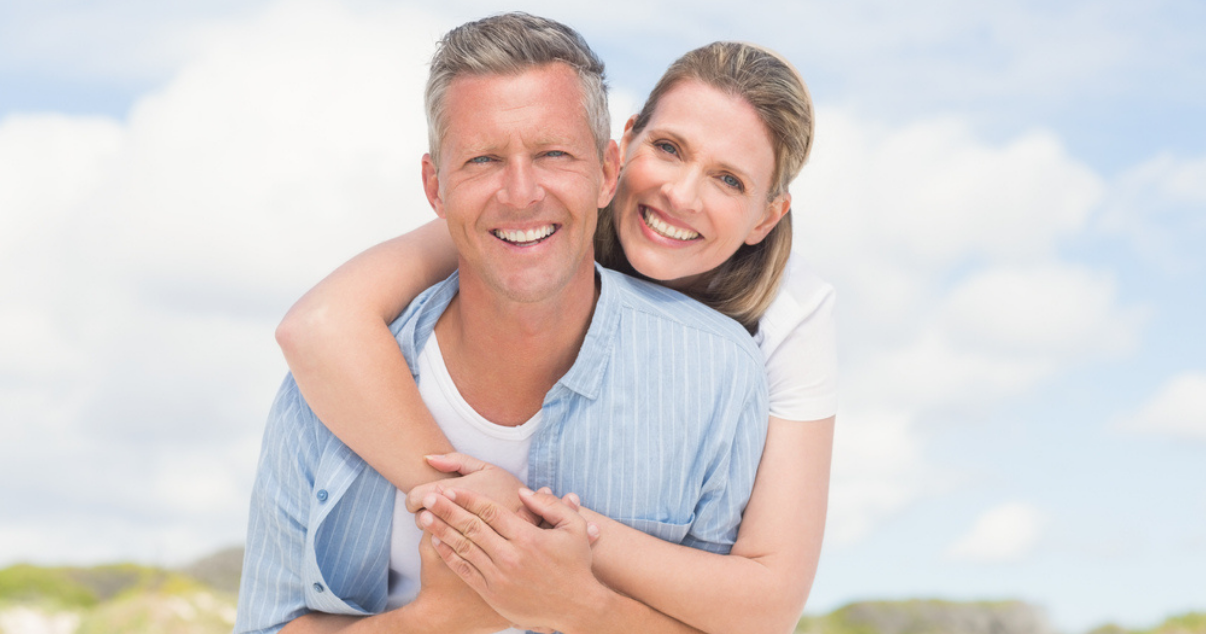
pixel 536 578
pixel 476 475
pixel 445 597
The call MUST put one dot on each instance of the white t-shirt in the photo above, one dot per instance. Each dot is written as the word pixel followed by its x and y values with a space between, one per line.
pixel 469 433
pixel 798 339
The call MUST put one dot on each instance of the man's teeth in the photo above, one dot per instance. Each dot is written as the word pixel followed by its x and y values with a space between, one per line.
pixel 664 229
pixel 524 237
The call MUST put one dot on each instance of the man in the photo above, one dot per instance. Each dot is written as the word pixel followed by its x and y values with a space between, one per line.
pixel 529 337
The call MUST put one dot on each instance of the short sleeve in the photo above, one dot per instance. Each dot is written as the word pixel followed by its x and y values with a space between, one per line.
pixel 799 340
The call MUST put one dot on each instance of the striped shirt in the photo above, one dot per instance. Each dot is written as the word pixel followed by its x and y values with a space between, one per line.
pixel 659 423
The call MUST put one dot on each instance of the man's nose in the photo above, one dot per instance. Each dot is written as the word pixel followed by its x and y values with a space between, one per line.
pixel 520 188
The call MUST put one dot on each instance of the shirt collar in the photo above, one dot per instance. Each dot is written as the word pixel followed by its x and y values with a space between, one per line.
pixel 585 376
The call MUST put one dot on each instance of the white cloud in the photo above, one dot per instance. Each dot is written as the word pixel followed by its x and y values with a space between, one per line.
pixel 1004 533
pixel 145 262
pixel 1177 409
pixel 953 293
pixel 1159 207
pixel 1053 310
pixel 878 470
pixel 890 211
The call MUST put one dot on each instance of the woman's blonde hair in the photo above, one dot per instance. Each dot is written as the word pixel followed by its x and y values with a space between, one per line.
pixel 744 286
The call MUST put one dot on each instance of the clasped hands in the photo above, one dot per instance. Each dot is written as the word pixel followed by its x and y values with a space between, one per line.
pixel 530 562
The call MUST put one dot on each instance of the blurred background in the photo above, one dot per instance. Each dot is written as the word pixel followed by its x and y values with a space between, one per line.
pixel 1009 196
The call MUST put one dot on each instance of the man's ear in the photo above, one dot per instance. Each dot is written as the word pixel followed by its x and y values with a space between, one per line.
pixel 431 185
pixel 774 213
pixel 611 174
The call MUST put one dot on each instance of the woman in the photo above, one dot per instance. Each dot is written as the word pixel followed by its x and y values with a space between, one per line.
pixel 702 206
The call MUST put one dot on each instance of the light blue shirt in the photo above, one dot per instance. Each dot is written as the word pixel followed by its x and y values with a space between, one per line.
pixel 659 423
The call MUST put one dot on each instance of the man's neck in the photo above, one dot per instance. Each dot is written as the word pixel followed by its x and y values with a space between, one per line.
pixel 505 356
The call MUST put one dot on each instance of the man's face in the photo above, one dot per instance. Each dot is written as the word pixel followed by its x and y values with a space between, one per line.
pixel 520 180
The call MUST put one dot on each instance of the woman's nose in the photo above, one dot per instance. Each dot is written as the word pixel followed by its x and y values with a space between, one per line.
pixel 683 191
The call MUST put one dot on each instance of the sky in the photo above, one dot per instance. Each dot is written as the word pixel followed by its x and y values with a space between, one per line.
pixel 1008 196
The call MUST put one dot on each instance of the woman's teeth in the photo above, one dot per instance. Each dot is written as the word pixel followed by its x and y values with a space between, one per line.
pixel 666 230
pixel 525 237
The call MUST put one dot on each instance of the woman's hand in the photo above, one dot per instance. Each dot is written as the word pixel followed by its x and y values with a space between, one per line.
pixel 536 577
pixel 475 475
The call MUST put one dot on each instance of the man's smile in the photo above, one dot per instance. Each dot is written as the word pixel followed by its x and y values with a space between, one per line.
pixel 524 238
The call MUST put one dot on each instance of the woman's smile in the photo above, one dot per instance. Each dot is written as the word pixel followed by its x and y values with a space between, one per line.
pixel 683 205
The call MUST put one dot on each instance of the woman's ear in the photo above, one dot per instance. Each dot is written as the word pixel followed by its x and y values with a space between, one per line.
pixel 626 138
pixel 775 211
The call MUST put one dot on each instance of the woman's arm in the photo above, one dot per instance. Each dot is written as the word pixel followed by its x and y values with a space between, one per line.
pixel 346 362
pixel 763 584
pixel 760 587
pixel 537 578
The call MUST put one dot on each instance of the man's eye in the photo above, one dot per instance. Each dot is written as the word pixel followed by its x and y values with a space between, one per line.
pixel 556 153
pixel 480 159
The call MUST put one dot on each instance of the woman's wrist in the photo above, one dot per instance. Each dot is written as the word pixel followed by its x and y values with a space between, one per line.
pixel 592 608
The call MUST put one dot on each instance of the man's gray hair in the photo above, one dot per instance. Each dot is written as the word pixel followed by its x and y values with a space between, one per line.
pixel 509 44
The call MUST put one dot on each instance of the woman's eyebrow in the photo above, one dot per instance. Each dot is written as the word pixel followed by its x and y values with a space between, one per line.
pixel 656 133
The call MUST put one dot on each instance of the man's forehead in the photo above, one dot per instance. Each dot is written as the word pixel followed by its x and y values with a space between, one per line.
pixel 542 105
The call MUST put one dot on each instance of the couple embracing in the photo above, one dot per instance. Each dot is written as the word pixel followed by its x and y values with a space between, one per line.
pixel 597 394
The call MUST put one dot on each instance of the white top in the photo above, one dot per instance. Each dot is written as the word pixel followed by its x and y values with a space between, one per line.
pixel 469 433
pixel 798 339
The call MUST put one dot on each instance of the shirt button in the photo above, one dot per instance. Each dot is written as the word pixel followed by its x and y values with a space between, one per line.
pixel 322 495
pixel 318 588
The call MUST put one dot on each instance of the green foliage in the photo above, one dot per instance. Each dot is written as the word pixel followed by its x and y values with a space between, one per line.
pixel 54 587
pixel 1188 623
pixel 928 616
pixel 75 588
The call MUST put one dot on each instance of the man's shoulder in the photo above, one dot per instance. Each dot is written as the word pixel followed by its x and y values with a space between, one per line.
pixel 671 310
pixel 416 322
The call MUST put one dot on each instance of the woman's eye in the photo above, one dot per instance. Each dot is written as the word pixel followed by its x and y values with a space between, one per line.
pixel 732 181
pixel 666 147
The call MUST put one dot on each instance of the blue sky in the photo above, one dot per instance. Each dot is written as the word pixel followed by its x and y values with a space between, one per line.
pixel 1009 197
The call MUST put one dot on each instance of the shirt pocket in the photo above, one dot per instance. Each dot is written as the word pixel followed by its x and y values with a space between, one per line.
pixel 673 532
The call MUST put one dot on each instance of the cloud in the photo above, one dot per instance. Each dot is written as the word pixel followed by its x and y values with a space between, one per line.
pixel 878 470
pixel 134 41
pixel 146 261
pixel 1177 409
pixel 1159 208
pixel 954 295
pixel 892 210
pixel 1002 534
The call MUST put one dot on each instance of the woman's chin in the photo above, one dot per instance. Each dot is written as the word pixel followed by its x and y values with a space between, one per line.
pixel 671 275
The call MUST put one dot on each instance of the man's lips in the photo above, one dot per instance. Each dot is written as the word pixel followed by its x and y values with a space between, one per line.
pixel 525 237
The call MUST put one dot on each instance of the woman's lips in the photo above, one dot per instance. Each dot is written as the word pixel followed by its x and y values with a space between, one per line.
pixel 662 228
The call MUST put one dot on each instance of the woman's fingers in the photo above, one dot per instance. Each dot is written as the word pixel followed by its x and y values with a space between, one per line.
pixel 552 509
pixel 414 499
pixel 456 463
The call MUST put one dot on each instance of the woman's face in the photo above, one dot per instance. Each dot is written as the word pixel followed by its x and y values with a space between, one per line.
pixel 694 184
